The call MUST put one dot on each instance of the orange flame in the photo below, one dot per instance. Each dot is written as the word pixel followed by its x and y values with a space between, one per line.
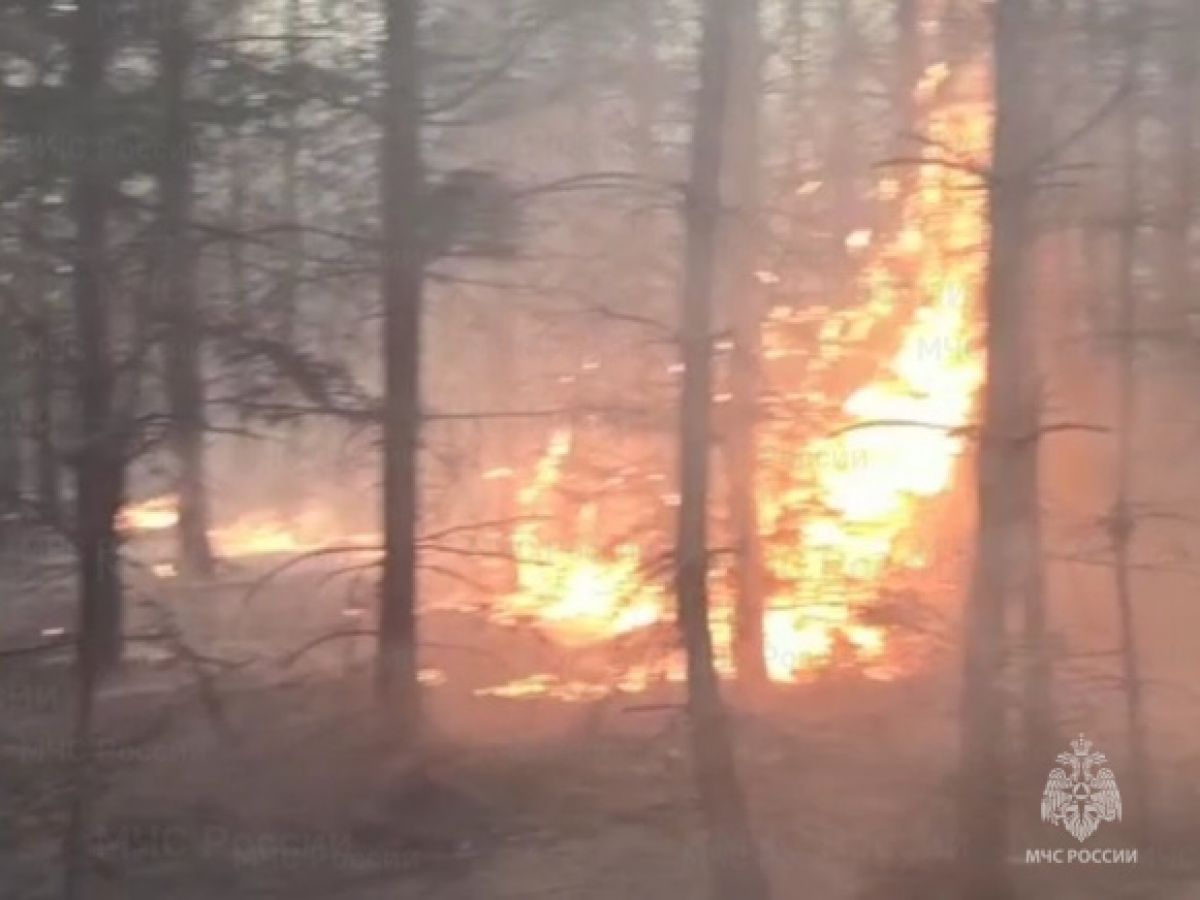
pixel 838 513
pixel 577 589
pixel 157 514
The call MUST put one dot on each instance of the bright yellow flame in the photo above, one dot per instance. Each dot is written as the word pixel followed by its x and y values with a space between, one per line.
pixel 576 588
pixel 858 493
pixel 838 511
pixel 157 514
pixel 252 535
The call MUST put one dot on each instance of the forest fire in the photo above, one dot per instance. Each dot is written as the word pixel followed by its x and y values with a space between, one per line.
pixel 580 590
pixel 246 536
pixel 840 507
pixel 542 448
pixel 157 514
pixel 858 491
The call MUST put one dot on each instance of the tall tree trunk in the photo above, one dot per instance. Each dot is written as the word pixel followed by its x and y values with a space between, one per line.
pixel 99 461
pixel 737 869
pixel 1122 522
pixel 178 301
pixel 743 148
pixel 1037 705
pixel 403 284
pixel 1005 436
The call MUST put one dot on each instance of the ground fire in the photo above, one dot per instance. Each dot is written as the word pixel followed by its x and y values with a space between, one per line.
pixel 640 449
pixel 860 490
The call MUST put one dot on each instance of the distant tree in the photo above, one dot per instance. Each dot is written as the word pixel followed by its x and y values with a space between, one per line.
pixel 177 301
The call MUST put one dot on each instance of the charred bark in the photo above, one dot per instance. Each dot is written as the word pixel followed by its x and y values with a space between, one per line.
pixel 736 868
pixel 402 300
pixel 178 303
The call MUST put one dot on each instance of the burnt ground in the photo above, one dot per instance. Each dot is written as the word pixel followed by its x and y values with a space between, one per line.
pixel 230 774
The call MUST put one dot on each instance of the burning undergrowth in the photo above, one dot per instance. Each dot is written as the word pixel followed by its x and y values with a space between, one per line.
pixel 854 460
pixel 851 461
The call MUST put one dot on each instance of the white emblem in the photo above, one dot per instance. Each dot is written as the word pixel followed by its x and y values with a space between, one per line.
pixel 1082 798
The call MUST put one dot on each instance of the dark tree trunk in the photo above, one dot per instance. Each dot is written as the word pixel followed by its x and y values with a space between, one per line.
pixel 743 140
pixel 1037 672
pixel 737 869
pixel 99 461
pixel 178 301
pixel 1122 522
pixel 1003 449
pixel 403 283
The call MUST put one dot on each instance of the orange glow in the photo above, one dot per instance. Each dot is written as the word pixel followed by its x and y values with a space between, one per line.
pixel 157 514
pixel 839 510
pixel 850 456
pixel 857 492
pixel 578 590
pixel 251 535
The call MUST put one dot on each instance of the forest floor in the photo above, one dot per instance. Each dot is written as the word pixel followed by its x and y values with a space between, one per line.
pixel 254 782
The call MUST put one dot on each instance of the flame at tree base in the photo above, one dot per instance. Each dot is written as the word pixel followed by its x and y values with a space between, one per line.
pixel 840 513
